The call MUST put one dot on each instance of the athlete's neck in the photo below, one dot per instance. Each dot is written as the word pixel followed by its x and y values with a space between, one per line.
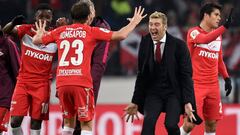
pixel 75 21
pixel 206 27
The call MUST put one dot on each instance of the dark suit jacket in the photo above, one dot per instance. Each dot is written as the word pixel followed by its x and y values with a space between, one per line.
pixel 179 70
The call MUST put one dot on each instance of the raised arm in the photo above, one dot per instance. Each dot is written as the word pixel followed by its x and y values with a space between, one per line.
pixel 134 21
pixel 202 38
pixel 40 31
pixel 10 27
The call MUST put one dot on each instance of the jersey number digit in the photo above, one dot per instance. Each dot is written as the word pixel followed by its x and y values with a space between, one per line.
pixel 65 45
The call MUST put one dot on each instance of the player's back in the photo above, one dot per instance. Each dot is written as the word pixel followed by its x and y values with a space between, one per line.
pixel 75 46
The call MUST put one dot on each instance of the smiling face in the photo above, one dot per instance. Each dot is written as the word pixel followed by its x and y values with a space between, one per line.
pixel 157 26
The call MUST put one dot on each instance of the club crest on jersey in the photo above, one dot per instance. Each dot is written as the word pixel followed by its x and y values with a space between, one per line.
pixel 104 30
pixel 194 34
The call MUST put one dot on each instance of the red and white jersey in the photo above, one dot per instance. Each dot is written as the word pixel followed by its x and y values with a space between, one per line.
pixel 75 46
pixel 36 60
pixel 206 54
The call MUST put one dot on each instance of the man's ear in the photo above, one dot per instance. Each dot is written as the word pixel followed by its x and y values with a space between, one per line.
pixel 165 27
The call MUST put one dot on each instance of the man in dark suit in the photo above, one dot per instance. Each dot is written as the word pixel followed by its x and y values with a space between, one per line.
pixel 164 80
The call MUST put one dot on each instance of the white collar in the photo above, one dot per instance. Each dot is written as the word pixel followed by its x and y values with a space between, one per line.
pixel 163 40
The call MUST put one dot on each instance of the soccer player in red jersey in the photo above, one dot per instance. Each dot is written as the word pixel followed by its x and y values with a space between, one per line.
pixel 9 66
pixel 76 43
pixel 205 45
pixel 32 91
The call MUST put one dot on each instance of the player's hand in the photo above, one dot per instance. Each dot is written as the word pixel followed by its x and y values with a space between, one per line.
pixel 130 111
pixel 40 27
pixel 20 19
pixel 62 21
pixel 189 111
pixel 228 86
pixel 229 20
pixel 138 15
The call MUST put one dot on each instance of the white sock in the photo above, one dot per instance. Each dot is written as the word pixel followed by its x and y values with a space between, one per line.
pixel 85 132
pixel 209 133
pixel 183 132
pixel 35 132
pixel 17 131
pixel 67 131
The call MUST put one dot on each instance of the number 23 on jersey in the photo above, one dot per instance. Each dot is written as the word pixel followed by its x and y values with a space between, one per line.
pixel 78 46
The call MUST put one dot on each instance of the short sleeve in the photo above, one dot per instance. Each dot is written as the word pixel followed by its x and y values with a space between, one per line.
pixel 22 30
pixel 49 37
pixel 101 33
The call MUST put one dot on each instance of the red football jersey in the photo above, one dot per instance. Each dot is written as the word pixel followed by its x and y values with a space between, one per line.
pixel 206 54
pixel 36 61
pixel 75 46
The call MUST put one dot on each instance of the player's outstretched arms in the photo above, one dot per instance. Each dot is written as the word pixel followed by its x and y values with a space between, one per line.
pixel 10 27
pixel 40 31
pixel 134 21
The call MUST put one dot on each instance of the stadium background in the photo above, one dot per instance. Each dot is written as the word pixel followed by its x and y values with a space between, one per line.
pixel 118 82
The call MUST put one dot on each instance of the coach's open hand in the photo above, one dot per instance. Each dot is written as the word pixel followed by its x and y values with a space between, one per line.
pixel 189 111
pixel 131 111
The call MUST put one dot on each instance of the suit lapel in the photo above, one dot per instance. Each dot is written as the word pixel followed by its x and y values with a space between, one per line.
pixel 168 50
pixel 151 54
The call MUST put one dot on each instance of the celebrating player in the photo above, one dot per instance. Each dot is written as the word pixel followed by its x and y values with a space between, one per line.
pixel 204 43
pixel 75 46
pixel 32 91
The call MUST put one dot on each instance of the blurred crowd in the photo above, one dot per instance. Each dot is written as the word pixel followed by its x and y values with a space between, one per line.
pixel 182 14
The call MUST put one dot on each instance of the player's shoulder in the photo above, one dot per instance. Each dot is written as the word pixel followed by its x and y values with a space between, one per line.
pixel 194 31
pixel 25 26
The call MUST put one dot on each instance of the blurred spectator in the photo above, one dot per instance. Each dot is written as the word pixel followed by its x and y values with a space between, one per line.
pixel 173 27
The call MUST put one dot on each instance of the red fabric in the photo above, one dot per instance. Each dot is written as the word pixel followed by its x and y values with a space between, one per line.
pixel 204 38
pixel 75 43
pixel 32 97
pixel 4 119
pixel 3 112
pixel 206 57
pixel 158 53
pixel 78 101
pixel 36 61
pixel 208 101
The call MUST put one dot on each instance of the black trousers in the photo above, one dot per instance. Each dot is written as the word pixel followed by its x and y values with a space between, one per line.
pixel 154 105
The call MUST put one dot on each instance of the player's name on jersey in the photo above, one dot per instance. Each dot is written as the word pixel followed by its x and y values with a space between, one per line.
pixel 40 56
pixel 73 34
pixel 208 54
pixel 69 72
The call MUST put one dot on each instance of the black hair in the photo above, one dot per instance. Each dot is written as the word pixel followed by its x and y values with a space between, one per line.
pixel 44 6
pixel 80 11
pixel 208 8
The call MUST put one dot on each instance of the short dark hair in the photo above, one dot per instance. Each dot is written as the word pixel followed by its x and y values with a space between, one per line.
pixel 208 8
pixel 44 6
pixel 80 11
